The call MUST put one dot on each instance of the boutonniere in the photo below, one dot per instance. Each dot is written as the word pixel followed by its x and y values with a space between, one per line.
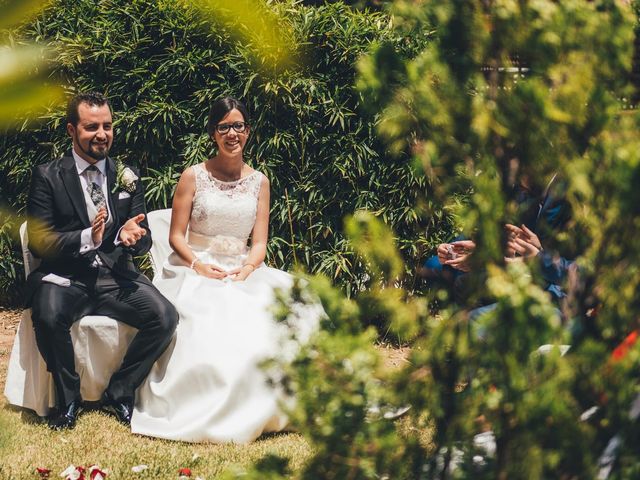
pixel 125 178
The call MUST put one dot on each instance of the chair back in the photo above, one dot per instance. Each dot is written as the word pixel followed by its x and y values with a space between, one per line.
pixel 30 262
pixel 159 223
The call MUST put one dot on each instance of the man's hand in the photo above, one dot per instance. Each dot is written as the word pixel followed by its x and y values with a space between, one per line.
pixel 131 231
pixel 530 237
pixel 209 270
pixel 98 225
pixel 522 241
pixel 462 251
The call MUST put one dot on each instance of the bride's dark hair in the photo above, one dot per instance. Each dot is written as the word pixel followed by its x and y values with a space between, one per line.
pixel 219 110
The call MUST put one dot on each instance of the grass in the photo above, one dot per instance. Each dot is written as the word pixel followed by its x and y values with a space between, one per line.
pixel 26 443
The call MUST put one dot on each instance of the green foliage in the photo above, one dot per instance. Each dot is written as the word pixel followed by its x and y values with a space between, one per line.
pixel 349 439
pixel 11 263
pixel 162 64
pixel 24 90
pixel 475 126
pixel 447 107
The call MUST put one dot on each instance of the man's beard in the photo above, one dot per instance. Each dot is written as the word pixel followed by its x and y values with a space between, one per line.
pixel 95 154
pixel 98 155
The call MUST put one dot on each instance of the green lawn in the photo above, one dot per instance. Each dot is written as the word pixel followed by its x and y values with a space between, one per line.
pixel 27 443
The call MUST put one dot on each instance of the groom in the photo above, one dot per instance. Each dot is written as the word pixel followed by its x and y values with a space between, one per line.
pixel 85 220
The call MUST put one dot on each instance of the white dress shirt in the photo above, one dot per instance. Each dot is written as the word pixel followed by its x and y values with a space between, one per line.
pixel 86 177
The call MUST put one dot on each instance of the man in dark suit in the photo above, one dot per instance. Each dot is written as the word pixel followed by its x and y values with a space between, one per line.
pixel 86 217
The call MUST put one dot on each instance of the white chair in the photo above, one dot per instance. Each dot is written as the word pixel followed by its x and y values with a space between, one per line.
pixel 99 342
pixel 159 222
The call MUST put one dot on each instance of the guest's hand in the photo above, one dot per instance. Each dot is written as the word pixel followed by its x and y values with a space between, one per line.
pixel 523 242
pixel 512 233
pixel 210 270
pixel 463 249
pixel 131 231
pixel 98 225
pixel 522 248
pixel 444 252
pixel 530 237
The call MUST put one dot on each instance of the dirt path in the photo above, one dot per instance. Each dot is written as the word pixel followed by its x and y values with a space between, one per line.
pixel 9 320
pixel 394 357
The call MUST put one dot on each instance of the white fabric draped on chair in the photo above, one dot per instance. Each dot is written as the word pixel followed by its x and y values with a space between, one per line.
pixel 99 342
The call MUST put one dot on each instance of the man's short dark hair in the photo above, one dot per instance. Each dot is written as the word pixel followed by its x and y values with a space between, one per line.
pixel 90 98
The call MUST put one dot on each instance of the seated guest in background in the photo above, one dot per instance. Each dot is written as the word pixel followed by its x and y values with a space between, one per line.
pixel 541 217
pixel 85 222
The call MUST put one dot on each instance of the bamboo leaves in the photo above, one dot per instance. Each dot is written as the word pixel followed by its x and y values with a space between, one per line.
pixel 164 64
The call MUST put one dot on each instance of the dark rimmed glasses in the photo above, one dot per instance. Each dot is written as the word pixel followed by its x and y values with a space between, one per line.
pixel 238 127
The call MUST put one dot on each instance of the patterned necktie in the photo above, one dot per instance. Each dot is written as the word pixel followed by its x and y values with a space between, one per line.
pixel 95 191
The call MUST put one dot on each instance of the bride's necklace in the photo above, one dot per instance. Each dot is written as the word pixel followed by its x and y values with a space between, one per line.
pixel 224 177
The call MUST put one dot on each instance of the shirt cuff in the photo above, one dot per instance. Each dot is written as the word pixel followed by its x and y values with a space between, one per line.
pixel 117 240
pixel 86 242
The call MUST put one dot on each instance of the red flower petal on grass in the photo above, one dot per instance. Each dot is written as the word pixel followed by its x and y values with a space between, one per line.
pixel 96 474
pixel 185 472
pixel 43 472
pixel 73 473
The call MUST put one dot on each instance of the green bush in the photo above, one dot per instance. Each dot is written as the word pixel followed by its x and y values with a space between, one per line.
pixel 162 63
pixel 472 124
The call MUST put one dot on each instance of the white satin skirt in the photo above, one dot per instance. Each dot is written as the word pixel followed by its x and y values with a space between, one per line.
pixel 209 386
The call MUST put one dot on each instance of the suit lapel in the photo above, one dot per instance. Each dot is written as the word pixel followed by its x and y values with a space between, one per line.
pixel 71 182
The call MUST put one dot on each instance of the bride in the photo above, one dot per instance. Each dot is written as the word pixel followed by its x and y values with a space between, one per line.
pixel 208 386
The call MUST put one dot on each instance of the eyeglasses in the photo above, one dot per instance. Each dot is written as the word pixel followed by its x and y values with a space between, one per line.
pixel 223 128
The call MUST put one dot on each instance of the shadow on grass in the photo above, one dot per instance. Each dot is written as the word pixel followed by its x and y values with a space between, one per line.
pixel 27 416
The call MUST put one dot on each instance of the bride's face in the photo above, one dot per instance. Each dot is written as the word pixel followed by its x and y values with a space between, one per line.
pixel 231 133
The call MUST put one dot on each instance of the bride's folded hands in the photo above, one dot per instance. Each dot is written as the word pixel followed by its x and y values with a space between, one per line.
pixel 241 273
pixel 209 270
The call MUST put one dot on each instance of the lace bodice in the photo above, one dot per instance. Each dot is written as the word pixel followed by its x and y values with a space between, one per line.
pixel 224 209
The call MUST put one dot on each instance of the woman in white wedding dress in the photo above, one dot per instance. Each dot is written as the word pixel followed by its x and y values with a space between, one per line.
pixel 208 386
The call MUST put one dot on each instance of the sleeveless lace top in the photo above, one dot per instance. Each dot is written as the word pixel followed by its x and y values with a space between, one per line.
pixel 224 212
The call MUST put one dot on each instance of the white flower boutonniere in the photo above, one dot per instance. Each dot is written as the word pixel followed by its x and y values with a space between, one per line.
pixel 125 178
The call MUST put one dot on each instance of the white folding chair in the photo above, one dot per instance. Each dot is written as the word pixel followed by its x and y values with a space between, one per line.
pixel 159 222
pixel 99 342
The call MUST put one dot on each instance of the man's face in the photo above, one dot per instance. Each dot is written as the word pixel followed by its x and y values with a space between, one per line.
pixel 93 135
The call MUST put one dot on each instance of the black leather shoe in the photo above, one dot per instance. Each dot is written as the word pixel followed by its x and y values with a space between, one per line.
pixel 65 418
pixel 121 410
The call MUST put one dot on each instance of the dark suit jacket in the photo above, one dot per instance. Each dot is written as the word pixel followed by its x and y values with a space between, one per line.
pixel 57 214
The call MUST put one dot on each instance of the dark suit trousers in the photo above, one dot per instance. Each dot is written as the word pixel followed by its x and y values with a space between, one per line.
pixel 99 292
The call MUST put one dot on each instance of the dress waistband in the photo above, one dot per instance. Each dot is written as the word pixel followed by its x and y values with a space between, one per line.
pixel 220 244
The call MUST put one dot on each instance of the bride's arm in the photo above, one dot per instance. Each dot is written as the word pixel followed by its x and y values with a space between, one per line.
pixel 180 215
pixel 259 234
